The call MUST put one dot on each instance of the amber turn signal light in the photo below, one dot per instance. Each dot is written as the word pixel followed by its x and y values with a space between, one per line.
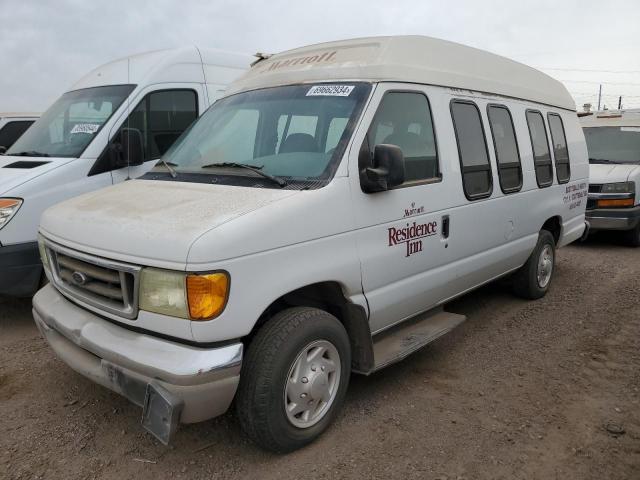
pixel 617 202
pixel 207 295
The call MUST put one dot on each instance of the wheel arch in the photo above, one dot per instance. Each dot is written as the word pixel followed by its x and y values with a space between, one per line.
pixel 328 296
pixel 554 226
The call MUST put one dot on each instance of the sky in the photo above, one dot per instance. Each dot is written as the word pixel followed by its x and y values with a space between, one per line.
pixel 46 46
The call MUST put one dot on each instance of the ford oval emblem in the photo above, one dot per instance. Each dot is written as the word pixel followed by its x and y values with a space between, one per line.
pixel 79 278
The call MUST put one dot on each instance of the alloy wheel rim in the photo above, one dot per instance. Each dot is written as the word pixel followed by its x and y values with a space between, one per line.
pixel 312 383
pixel 545 266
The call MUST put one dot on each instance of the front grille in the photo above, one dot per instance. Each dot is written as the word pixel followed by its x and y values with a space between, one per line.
pixel 595 188
pixel 101 283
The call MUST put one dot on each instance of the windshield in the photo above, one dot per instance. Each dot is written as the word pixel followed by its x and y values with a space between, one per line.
pixel 70 124
pixel 296 132
pixel 613 144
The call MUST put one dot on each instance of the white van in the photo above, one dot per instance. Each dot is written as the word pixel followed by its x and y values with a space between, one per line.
pixel 318 218
pixel 12 126
pixel 109 127
pixel 613 142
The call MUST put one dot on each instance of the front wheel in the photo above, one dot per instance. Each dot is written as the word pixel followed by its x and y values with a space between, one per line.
pixel 633 236
pixel 533 279
pixel 294 378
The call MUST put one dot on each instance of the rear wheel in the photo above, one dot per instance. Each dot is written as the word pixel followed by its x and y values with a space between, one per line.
pixel 533 279
pixel 294 378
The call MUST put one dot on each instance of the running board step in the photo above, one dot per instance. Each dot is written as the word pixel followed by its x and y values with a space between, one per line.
pixel 402 340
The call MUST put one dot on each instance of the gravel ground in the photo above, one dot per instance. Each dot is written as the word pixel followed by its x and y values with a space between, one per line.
pixel 520 390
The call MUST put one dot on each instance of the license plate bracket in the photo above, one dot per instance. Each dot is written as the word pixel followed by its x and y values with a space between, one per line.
pixel 161 412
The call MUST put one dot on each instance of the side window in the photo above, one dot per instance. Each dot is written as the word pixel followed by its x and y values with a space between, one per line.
pixel 161 117
pixel 540 144
pixel 472 148
pixel 560 150
pixel 506 148
pixel 404 119
pixel 12 131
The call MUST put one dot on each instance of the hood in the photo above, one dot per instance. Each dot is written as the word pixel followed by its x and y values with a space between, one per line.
pixel 15 171
pixel 609 173
pixel 150 222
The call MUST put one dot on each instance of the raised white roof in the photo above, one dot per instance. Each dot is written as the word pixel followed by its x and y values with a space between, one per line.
pixel 612 118
pixel 415 59
pixel 185 64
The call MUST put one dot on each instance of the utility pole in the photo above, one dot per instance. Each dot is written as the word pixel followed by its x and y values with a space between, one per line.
pixel 620 102
pixel 599 96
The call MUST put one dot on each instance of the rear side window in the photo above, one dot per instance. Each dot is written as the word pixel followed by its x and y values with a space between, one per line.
pixel 404 119
pixel 12 132
pixel 560 150
pixel 540 145
pixel 472 149
pixel 506 148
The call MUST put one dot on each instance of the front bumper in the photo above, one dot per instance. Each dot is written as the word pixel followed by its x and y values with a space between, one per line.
pixel 613 218
pixel 166 378
pixel 20 269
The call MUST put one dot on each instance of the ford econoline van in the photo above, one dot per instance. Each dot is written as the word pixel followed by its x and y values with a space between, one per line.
pixel 613 143
pixel 12 126
pixel 314 222
pixel 111 126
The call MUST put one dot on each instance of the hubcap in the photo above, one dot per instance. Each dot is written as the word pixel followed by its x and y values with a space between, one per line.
pixel 312 383
pixel 545 266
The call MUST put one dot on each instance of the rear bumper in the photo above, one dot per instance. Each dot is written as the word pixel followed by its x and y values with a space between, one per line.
pixel 20 269
pixel 613 218
pixel 201 382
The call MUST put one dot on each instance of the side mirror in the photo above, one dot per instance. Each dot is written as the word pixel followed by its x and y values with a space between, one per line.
pixel 127 148
pixel 3 149
pixel 387 170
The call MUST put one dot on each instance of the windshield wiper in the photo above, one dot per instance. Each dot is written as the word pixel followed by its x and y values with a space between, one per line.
pixel 32 153
pixel 254 168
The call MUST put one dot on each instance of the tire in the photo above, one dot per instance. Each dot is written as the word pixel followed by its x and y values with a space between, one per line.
pixel 268 378
pixel 526 283
pixel 632 237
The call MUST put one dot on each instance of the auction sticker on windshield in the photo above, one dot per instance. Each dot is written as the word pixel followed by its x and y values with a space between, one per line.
pixel 330 90
pixel 85 128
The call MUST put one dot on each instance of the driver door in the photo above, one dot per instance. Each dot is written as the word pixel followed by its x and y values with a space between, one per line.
pixel 158 119
pixel 402 234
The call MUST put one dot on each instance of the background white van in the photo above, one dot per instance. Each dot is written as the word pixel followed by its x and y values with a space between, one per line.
pixel 12 126
pixel 110 126
pixel 613 141
pixel 319 217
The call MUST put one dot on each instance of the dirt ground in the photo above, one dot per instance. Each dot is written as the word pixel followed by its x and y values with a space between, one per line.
pixel 520 390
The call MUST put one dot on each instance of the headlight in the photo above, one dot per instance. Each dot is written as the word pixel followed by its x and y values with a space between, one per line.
pixel 620 187
pixel 8 208
pixel 182 295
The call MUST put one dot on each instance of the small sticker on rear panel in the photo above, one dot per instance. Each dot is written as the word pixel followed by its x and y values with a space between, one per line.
pixel 85 128
pixel 630 129
pixel 330 90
